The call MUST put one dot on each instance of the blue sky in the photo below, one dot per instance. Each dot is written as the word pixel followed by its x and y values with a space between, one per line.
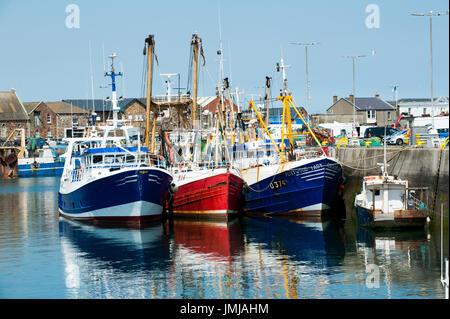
pixel 44 60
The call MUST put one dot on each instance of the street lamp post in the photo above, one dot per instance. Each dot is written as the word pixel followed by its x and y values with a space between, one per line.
pixel 306 45
pixel 430 15
pixel 353 57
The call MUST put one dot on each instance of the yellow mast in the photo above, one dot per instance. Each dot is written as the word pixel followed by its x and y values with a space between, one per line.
pixel 289 99
pixel 252 104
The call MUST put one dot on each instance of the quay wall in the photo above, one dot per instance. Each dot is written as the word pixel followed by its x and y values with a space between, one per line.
pixel 418 165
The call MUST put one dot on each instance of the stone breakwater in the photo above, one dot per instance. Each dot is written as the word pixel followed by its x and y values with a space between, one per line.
pixel 420 166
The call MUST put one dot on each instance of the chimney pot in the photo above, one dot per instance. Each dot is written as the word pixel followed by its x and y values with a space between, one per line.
pixel 352 98
pixel 377 95
pixel 335 98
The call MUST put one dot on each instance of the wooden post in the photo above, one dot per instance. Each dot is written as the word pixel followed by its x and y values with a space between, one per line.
pixel 149 42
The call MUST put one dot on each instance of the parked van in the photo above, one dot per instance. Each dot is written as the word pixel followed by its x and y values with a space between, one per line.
pixel 379 131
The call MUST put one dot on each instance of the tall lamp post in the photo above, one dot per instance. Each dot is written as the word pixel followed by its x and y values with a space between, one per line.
pixel 353 57
pixel 430 15
pixel 306 45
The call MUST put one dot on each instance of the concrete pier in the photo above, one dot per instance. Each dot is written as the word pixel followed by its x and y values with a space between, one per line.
pixel 420 166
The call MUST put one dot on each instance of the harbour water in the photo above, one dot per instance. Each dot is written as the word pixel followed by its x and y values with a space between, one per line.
pixel 43 256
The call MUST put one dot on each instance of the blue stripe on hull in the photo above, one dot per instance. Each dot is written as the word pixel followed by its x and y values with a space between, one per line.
pixel 44 169
pixel 122 188
pixel 305 186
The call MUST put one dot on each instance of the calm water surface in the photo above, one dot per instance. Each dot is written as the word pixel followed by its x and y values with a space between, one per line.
pixel 45 256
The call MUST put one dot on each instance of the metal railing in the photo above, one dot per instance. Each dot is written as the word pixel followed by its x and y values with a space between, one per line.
pixel 182 98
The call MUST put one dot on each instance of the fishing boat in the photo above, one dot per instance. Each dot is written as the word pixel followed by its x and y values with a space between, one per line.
pixel 106 178
pixel 387 201
pixel 214 192
pixel 47 163
pixel 203 189
pixel 290 181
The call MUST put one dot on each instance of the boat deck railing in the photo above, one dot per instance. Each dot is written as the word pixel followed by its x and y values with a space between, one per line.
pixel 82 173
pixel 167 99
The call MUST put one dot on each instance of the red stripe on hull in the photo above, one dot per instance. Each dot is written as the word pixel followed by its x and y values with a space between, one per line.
pixel 214 195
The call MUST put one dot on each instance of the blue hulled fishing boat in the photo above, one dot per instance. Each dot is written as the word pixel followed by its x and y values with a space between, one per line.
pixel 290 180
pixel 105 177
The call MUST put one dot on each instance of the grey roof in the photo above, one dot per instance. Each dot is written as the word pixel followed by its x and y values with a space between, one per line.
pixel 413 100
pixel 11 108
pixel 371 103
pixel 100 105
pixel 420 100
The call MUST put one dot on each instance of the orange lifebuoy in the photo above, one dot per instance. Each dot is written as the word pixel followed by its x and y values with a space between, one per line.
pixel 369 178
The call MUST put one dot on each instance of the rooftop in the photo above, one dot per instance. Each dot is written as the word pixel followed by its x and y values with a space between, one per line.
pixel 11 108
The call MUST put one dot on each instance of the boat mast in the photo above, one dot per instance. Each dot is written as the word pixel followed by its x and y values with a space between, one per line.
pixel 267 98
pixel 286 120
pixel 195 43
pixel 149 50
pixel 113 75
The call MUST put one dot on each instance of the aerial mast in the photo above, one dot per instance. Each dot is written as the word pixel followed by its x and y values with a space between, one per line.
pixel 113 75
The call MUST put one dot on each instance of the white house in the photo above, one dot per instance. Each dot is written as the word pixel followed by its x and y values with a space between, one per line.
pixel 423 107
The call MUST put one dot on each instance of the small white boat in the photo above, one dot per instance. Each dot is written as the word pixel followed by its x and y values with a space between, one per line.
pixel 387 201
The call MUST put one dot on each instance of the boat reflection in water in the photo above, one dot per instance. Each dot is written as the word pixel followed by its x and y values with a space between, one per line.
pixel 102 262
pixel 207 240
pixel 317 242
pixel 397 258
pixel 238 258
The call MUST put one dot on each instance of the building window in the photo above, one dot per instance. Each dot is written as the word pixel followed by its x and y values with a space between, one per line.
pixel 37 119
pixel 75 121
pixel 49 119
pixel 49 133
pixel 371 114
pixel 3 130
pixel 424 110
pixel 36 133
pixel 388 115
pixel 409 110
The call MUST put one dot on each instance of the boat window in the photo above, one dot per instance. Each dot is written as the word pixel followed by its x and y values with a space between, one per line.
pixel 120 158
pixel 143 158
pixel 109 159
pixel 130 159
pixel 97 159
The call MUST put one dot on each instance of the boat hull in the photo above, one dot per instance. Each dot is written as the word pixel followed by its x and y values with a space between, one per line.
pixel 217 195
pixel 303 189
pixel 133 195
pixel 40 169
pixel 401 219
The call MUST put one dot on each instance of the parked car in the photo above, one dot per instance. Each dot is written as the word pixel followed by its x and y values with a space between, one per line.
pixel 379 131
pixel 397 138
pixel 443 132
